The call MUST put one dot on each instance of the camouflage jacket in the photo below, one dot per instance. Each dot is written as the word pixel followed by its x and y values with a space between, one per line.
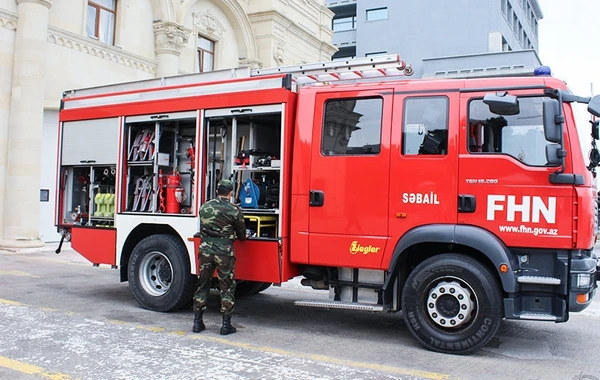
pixel 220 223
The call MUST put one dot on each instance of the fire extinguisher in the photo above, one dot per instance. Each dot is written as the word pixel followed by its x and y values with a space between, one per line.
pixel 175 193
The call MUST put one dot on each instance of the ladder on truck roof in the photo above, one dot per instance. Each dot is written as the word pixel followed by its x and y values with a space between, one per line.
pixel 330 71
pixel 352 69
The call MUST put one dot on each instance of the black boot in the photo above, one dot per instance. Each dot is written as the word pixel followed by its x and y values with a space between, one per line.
pixel 198 323
pixel 227 328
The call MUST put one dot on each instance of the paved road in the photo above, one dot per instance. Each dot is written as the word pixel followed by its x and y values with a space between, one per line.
pixel 62 319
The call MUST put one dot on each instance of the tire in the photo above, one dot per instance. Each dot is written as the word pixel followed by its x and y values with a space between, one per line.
pixel 247 288
pixel 159 273
pixel 265 286
pixel 452 304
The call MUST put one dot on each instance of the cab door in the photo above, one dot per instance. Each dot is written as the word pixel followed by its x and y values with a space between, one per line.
pixel 349 181
pixel 504 171
pixel 424 162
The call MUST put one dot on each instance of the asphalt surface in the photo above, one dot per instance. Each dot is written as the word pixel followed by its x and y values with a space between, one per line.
pixel 62 319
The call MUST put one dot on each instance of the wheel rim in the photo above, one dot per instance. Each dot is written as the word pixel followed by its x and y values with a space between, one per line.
pixel 451 303
pixel 156 273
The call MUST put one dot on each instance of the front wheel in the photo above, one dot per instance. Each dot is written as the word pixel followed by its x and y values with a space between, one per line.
pixel 159 273
pixel 452 304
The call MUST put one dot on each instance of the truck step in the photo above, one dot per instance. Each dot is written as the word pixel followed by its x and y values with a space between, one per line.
pixel 538 317
pixel 339 305
pixel 538 280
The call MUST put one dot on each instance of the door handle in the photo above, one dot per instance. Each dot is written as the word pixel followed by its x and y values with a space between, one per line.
pixel 316 198
pixel 466 203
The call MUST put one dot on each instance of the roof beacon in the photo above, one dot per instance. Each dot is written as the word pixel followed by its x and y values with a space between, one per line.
pixel 542 70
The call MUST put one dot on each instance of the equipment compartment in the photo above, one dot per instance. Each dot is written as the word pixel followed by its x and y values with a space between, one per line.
pixel 161 162
pixel 245 146
pixel 88 195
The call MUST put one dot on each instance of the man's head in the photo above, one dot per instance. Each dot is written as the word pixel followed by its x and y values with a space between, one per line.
pixel 224 187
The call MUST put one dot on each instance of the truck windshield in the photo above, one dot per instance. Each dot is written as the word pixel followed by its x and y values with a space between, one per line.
pixel 520 136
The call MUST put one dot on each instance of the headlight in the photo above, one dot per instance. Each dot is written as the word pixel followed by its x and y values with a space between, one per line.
pixel 583 280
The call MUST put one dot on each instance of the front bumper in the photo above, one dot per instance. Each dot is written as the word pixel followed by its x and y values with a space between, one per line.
pixel 584 275
pixel 597 267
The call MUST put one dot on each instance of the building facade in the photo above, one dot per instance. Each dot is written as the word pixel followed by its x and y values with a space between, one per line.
pixel 49 46
pixel 439 36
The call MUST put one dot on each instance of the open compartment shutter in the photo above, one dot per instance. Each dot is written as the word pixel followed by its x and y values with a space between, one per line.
pixel 90 142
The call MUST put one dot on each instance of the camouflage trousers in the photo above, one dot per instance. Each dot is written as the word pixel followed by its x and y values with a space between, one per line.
pixel 225 266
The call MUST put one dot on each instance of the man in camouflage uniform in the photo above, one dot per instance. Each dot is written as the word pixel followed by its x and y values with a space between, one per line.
pixel 220 223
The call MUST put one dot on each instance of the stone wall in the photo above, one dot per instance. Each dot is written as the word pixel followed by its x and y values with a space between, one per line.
pixel 152 38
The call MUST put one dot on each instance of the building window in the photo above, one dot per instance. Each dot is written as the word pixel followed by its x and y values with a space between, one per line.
pixel 344 17
pixel 505 45
pixel 345 52
pixel 503 6
pixel 352 127
pixel 509 14
pixel 343 23
pixel 375 53
pixel 206 54
pixel 377 14
pixel 425 126
pixel 101 16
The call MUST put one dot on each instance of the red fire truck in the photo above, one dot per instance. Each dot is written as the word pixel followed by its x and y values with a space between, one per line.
pixel 459 202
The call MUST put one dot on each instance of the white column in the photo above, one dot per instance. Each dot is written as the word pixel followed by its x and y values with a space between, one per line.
pixel 22 182
pixel 169 38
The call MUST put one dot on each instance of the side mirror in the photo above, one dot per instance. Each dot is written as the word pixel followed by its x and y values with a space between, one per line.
pixel 595 130
pixel 552 154
pixel 594 106
pixel 501 103
pixel 552 129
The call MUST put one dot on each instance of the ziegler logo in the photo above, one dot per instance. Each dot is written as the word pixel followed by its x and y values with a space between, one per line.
pixel 364 249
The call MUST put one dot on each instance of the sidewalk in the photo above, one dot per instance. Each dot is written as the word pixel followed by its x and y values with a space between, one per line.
pixel 47 248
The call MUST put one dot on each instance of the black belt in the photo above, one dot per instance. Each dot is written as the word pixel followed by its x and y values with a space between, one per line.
pixel 216 239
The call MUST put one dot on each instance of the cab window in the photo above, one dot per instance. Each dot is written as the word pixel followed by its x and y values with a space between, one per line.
pixel 352 127
pixel 520 136
pixel 425 126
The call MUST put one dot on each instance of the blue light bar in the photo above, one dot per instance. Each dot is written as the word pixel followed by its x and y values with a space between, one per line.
pixel 542 71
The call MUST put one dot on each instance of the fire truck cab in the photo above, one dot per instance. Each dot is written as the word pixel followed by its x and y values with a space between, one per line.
pixel 459 202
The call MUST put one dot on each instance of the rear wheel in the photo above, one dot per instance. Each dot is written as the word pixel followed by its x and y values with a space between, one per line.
pixel 452 304
pixel 159 273
pixel 265 286
pixel 247 288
